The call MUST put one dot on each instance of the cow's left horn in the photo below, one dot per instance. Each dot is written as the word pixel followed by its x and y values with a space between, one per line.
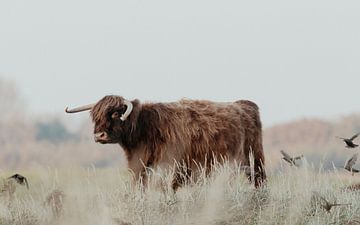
pixel 128 110
pixel 79 109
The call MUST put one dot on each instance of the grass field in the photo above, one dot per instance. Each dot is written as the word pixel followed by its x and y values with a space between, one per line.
pixel 91 196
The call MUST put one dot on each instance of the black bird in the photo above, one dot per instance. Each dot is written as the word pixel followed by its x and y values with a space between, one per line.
pixel 327 205
pixel 20 179
pixel 349 141
pixel 290 159
pixel 350 163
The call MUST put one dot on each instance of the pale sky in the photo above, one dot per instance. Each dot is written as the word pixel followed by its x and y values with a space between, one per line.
pixel 295 59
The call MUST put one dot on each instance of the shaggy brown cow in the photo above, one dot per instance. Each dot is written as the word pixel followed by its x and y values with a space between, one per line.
pixel 193 132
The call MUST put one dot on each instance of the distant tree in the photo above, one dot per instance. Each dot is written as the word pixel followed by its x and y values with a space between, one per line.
pixel 10 100
pixel 14 126
pixel 53 131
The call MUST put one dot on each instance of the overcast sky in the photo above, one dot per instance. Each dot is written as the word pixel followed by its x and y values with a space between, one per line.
pixel 295 59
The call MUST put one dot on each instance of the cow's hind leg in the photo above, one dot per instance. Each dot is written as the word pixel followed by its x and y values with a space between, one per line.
pixel 259 172
pixel 259 160
pixel 245 162
pixel 258 156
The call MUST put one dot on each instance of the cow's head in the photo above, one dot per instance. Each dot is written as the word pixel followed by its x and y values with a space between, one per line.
pixel 109 116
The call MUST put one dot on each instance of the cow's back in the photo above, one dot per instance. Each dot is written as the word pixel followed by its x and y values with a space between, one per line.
pixel 213 129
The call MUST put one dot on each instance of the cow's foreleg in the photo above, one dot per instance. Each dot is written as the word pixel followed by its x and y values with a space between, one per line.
pixel 136 165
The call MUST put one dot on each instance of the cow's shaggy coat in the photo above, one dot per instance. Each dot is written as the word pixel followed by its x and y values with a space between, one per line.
pixel 190 132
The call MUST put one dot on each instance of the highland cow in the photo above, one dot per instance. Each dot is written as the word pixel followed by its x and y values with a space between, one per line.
pixel 189 132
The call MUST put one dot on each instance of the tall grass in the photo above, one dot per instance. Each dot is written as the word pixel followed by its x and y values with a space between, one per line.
pixel 89 196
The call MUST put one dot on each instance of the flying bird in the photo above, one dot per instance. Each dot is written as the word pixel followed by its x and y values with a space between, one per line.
pixel 20 180
pixel 350 163
pixel 327 205
pixel 349 141
pixel 290 159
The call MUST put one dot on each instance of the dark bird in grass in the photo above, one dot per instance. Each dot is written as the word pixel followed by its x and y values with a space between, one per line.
pixel 20 179
pixel 327 205
pixel 352 187
pixel 349 141
pixel 349 222
pixel 290 159
pixel 350 163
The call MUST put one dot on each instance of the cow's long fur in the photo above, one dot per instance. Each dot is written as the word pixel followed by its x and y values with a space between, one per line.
pixel 189 131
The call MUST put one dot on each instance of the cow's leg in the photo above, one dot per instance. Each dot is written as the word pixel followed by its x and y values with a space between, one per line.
pixel 259 162
pixel 182 173
pixel 256 149
pixel 245 162
pixel 136 162
pixel 178 181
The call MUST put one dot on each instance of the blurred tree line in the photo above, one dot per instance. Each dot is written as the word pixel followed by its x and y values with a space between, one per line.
pixel 55 132
pixel 43 140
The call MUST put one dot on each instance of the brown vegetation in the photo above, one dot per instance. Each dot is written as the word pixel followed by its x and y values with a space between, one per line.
pixel 315 138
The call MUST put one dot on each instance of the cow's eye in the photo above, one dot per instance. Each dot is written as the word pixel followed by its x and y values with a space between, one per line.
pixel 115 115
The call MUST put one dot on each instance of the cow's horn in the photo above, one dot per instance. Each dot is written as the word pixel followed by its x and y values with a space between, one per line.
pixel 128 110
pixel 79 109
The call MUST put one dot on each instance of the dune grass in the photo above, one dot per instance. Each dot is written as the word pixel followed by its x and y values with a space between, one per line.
pixel 91 196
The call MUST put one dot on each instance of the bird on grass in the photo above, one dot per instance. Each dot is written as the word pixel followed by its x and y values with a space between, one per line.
pixel 20 179
pixel 350 163
pixel 349 222
pixel 350 141
pixel 290 159
pixel 327 205
pixel 352 187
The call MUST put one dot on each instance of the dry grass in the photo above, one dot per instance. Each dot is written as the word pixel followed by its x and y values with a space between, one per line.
pixel 78 196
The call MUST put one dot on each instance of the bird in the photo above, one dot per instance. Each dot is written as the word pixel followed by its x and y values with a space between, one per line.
pixel 350 163
pixel 290 159
pixel 327 205
pixel 349 141
pixel 20 179
pixel 352 187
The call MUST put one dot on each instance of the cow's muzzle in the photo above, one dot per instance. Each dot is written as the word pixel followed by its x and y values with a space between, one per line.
pixel 101 137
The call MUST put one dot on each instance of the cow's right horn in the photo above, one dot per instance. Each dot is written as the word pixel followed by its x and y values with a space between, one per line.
pixel 128 110
pixel 79 109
